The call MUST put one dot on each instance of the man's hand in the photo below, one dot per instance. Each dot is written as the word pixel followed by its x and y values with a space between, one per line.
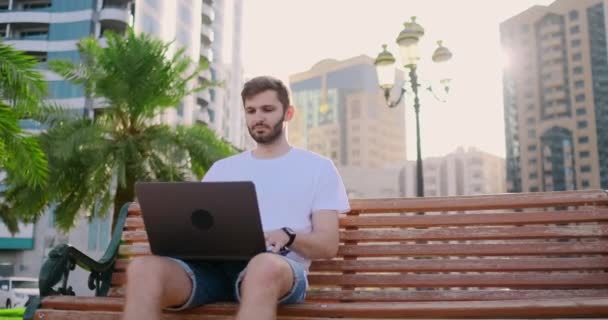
pixel 277 239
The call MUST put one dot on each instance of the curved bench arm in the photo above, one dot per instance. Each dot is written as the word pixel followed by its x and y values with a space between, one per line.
pixel 64 258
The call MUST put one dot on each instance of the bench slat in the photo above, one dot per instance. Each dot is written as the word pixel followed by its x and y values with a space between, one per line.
pixel 469 233
pixel 434 295
pixel 427 250
pixel 523 280
pixel 478 233
pixel 511 280
pixel 474 249
pixel 449 265
pixel 475 219
pixel 448 295
pixel 109 315
pixel 554 308
pixel 482 202
pixel 462 265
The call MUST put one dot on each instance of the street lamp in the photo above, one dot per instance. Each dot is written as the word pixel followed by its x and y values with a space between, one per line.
pixel 410 54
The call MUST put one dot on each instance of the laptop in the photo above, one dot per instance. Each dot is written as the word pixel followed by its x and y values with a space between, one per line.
pixel 202 220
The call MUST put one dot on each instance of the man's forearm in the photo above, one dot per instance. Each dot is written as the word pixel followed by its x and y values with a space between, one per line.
pixel 315 245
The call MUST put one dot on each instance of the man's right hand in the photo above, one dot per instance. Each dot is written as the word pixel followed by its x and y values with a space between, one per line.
pixel 276 240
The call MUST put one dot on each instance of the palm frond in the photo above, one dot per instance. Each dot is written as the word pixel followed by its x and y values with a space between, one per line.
pixel 18 79
pixel 204 147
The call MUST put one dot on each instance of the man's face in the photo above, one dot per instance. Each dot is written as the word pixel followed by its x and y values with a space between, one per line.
pixel 264 115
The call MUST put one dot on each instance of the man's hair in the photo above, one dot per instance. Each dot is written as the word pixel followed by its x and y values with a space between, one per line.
pixel 260 84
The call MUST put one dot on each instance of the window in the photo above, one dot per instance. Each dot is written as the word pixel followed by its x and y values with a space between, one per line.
pixel 532 161
pixel 69 30
pixel 581 111
pixel 579 97
pixel 71 5
pixel 533 176
pixel 575 43
pixel 585 183
pixel 532 147
pixel 573 15
pixel 575 29
pixel 583 140
pixel 586 168
pixel 531 133
pixel 584 154
pixel 579 84
pixel 577 70
pixel 63 89
pixel 582 124
pixel 577 56
pixel 533 189
pixel 531 120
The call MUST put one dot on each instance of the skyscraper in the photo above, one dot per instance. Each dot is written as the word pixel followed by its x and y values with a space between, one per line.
pixel 224 112
pixel 556 97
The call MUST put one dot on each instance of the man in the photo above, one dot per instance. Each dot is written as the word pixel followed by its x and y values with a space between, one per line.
pixel 300 195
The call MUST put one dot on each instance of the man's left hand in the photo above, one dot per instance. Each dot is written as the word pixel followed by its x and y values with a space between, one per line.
pixel 276 239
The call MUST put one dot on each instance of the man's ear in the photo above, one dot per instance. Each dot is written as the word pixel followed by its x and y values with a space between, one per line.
pixel 290 113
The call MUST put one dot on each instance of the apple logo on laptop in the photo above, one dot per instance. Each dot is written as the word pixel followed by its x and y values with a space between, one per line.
pixel 202 219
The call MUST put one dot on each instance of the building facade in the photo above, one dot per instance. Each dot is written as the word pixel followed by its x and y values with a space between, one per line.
pixel 341 114
pixel 221 106
pixel 463 172
pixel 556 97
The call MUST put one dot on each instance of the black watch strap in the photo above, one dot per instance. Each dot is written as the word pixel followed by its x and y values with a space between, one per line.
pixel 291 234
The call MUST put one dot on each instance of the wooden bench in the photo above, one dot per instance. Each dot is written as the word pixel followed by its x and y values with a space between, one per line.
pixel 540 255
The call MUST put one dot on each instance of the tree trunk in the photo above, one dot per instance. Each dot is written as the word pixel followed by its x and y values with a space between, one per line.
pixel 123 195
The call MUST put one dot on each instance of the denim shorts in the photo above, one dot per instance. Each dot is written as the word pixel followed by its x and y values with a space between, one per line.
pixel 215 281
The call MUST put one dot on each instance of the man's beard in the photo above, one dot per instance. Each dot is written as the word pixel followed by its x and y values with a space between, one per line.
pixel 275 133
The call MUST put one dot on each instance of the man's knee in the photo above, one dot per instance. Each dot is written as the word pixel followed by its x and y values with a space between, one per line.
pixel 266 269
pixel 144 269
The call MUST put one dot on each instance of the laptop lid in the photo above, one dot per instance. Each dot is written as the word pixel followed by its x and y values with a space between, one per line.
pixel 202 220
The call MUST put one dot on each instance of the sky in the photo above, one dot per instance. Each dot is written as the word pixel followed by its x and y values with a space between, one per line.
pixel 284 37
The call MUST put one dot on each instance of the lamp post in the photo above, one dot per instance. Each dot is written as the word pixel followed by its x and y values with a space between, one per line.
pixel 408 44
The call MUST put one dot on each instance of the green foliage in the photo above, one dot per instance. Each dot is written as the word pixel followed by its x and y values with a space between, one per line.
pixel 21 93
pixel 94 163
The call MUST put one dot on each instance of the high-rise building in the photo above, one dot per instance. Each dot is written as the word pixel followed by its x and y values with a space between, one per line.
pixel 556 97
pixel 50 29
pixel 224 111
pixel 463 172
pixel 341 114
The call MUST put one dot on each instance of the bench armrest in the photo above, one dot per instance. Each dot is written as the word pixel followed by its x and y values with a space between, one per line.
pixel 64 258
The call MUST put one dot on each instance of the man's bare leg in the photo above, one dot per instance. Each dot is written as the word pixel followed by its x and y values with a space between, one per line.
pixel 152 284
pixel 268 277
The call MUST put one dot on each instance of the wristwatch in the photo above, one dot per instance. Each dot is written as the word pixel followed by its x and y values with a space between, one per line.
pixel 291 234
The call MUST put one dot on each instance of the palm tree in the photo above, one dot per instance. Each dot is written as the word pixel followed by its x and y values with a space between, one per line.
pixel 21 93
pixel 94 163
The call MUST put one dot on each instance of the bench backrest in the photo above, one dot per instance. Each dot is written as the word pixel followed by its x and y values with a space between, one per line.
pixel 497 247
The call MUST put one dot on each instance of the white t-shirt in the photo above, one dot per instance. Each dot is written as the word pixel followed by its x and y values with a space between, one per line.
pixel 289 188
